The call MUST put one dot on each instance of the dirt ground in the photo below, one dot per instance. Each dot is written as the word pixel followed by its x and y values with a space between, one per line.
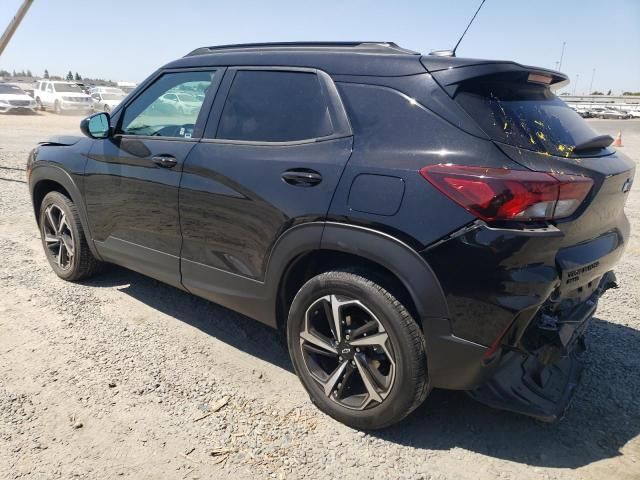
pixel 124 377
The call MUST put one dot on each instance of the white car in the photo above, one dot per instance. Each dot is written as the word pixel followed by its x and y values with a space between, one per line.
pixel 62 97
pixel 184 103
pixel 14 99
pixel 105 101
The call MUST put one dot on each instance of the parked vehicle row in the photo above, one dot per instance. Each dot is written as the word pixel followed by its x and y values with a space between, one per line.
pixel 60 97
pixel 605 113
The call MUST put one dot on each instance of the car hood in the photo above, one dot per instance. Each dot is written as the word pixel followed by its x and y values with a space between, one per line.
pixel 13 96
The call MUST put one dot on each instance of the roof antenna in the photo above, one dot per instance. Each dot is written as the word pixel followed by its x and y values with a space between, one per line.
pixel 452 53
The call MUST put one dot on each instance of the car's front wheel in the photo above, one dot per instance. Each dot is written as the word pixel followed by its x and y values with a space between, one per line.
pixel 63 239
pixel 357 350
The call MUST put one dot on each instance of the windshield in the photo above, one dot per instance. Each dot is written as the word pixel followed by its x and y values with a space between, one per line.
pixel 112 96
pixel 186 97
pixel 11 89
pixel 525 115
pixel 67 87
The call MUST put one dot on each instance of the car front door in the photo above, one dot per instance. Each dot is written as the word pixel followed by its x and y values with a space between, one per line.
pixel 274 148
pixel 48 97
pixel 132 178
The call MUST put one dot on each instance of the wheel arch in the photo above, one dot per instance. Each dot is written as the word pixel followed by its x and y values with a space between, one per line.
pixel 299 255
pixel 49 178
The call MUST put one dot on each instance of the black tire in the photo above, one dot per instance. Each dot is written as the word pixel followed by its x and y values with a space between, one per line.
pixel 39 103
pixel 81 264
pixel 409 386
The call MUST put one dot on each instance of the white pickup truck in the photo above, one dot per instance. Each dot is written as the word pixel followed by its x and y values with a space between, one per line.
pixel 61 97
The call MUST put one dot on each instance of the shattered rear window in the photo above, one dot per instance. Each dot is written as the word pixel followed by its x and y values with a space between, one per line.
pixel 523 114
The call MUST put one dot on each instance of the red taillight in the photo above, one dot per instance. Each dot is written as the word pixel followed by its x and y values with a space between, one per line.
pixel 499 194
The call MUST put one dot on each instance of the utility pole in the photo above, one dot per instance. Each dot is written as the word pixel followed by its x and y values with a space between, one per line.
pixel 593 74
pixel 562 55
pixel 13 24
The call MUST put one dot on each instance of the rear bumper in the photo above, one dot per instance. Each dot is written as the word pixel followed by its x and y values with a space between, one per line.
pixel 515 291
pixel 538 378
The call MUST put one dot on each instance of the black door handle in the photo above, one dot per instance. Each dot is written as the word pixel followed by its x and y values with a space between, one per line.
pixel 302 177
pixel 165 161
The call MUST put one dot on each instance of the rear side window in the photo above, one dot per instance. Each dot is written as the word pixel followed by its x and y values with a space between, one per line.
pixel 274 106
pixel 523 114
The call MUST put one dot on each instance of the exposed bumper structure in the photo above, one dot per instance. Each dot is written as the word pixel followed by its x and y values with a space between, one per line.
pixel 519 305
pixel 540 378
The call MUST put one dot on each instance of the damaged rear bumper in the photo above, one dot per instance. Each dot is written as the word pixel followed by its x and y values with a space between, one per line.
pixel 539 378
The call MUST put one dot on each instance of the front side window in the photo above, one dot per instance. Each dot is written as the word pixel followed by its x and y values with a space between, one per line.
pixel 67 87
pixel 150 114
pixel 274 106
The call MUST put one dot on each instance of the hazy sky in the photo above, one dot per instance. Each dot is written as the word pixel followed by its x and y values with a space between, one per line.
pixel 127 40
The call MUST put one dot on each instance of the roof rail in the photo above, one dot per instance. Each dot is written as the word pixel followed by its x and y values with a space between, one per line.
pixel 368 46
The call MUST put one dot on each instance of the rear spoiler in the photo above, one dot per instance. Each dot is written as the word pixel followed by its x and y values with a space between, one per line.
pixel 449 77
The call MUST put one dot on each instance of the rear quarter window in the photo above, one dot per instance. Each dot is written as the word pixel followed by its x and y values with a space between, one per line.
pixel 274 106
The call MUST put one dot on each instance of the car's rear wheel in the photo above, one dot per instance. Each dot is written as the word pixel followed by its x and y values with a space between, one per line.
pixel 357 350
pixel 63 239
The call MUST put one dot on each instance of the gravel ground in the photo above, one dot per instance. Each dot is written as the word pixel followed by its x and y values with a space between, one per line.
pixel 124 377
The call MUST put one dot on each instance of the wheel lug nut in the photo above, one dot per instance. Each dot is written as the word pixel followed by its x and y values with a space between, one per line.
pixel 347 337
pixel 340 358
pixel 357 349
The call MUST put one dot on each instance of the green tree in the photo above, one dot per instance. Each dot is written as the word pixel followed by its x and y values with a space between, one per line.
pixel 29 74
pixel 609 92
pixel 46 73
pixel 70 75
pixel 77 77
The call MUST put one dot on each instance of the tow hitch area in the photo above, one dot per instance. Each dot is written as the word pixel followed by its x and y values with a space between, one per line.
pixel 539 378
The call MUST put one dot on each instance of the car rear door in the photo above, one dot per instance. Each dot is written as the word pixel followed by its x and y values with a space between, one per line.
pixel 275 145
pixel 132 179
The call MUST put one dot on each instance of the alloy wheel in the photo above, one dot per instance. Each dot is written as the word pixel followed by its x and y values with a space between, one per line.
pixel 348 352
pixel 58 236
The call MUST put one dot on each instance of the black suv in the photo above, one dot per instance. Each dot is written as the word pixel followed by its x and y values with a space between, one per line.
pixel 411 222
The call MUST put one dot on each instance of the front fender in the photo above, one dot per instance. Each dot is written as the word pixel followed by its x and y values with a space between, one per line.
pixel 51 172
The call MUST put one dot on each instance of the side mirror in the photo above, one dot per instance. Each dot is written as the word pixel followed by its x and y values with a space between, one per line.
pixel 97 126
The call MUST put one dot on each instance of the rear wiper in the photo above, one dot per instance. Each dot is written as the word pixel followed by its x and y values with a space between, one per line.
pixel 595 143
